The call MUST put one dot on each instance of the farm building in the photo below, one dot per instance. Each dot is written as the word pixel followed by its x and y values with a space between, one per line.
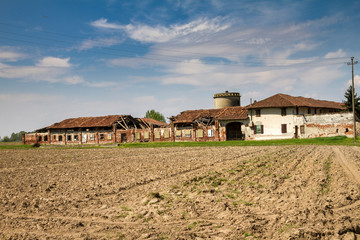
pixel 278 117
pixel 283 116
pixel 98 130
pixel 227 123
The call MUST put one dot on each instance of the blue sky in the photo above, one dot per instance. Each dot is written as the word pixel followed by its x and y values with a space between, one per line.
pixel 61 59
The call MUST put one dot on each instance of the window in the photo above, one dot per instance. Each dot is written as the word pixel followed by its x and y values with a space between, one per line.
pixel 69 138
pixel 102 137
pixel 45 138
pixel 188 133
pixel 39 138
pixel 92 137
pixel 302 129
pixel 200 133
pixel 146 135
pixel 283 128
pixel 60 138
pixel 258 112
pixel 166 134
pixel 178 133
pixel 54 137
pixel 109 136
pixel 76 137
pixel 210 132
pixel 309 110
pixel 259 129
pixel 283 111
pixel 137 136
pixel 157 135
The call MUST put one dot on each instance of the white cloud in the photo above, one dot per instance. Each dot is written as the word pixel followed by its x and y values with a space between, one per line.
pixel 100 84
pixel 54 62
pixel 31 72
pixel 258 41
pixel 160 34
pixel 103 23
pixel 100 42
pixel 338 54
pixel 356 81
pixel 74 80
pixel 10 56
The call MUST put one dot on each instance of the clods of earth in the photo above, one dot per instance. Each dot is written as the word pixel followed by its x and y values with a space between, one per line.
pixel 276 192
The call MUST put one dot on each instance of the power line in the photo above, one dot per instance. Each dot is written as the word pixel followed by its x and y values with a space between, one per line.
pixel 257 62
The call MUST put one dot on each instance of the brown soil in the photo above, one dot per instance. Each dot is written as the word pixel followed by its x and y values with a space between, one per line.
pixel 291 192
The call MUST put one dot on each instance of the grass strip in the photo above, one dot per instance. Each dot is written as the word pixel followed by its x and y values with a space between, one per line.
pixel 338 140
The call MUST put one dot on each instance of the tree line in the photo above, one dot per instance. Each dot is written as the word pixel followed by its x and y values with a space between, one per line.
pixel 14 137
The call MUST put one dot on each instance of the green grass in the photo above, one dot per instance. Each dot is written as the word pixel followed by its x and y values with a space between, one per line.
pixel 338 140
pixel 15 146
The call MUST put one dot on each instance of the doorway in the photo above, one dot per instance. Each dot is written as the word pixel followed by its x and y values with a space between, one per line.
pixel 233 131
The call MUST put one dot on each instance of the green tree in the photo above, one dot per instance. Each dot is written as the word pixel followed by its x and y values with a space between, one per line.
pixel 6 139
pixel 348 101
pixel 14 137
pixel 155 115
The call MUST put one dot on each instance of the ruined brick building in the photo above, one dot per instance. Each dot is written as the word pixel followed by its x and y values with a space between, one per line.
pixel 278 117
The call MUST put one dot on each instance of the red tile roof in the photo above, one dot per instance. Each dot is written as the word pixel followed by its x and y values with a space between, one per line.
pixel 154 122
pixel 283 100
pixel 227 113
pixel 83 122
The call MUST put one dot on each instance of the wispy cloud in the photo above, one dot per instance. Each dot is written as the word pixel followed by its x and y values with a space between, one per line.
pixel 100 84
pixel 161 34
pixel 72 80
pixel 54 62
pixel 100 42
pixel 6 54
pixel 49 69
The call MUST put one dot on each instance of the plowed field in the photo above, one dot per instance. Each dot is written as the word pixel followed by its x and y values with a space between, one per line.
pixel 288 192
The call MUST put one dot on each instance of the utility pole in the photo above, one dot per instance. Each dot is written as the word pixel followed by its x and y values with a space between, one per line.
pixel 353 92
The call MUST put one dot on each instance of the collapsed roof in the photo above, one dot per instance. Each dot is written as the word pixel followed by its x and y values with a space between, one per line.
pixel 125 121
pixel 227 113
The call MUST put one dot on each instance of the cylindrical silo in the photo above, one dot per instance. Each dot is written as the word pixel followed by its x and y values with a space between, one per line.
pixel 226 99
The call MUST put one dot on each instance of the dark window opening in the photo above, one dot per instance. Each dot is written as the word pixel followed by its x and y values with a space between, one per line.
pixel 60 138
pixel 283 128
pixel 45 138
pixel 76 137
pixel 283 111
pixel 102 137
pixel 258 112
pixel 39 138
pixel 346 130
pixel 309 110
pixel 54 137
pixel 123 137
pixel 69 138
pixel 302 129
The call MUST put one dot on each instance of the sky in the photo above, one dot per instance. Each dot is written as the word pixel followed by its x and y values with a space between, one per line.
pixel 63 59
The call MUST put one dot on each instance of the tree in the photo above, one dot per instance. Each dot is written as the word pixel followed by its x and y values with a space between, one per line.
pixel 15 137
pixel 6 139
pixel 155 115
pixel 348 101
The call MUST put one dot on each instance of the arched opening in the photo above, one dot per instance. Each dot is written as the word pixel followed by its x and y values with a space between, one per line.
pixel 233 131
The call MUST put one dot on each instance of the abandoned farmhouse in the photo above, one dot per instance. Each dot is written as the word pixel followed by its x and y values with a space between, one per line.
pixel 278 117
